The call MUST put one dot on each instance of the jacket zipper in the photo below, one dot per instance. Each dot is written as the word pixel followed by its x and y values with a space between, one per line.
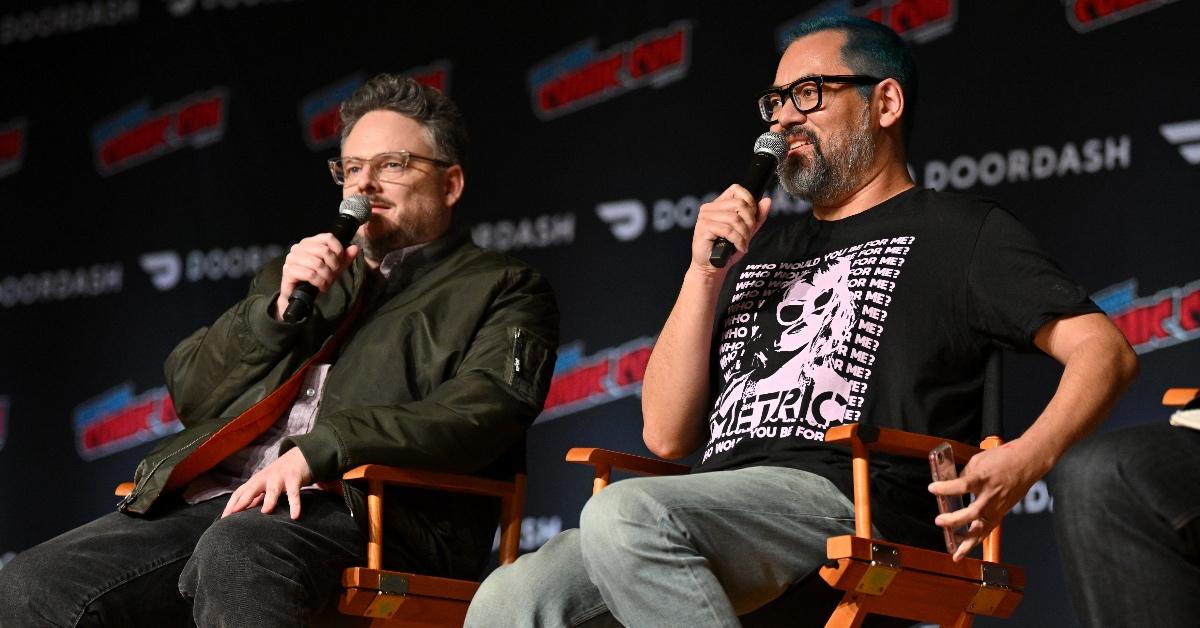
pixel 141 484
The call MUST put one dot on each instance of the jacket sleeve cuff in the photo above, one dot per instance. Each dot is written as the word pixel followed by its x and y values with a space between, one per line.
pixel 272 334
pixel 322 450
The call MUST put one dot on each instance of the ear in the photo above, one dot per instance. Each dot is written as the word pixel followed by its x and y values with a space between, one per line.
pixel 453 180
pixel 890 103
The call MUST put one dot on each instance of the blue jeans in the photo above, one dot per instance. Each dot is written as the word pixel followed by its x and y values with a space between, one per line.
pixel 1127 518
pixel 183 564
pixel 695 550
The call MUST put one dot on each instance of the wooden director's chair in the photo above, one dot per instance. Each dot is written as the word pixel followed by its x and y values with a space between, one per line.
pixel 1179 397
pixel 375 597
pixel 881 577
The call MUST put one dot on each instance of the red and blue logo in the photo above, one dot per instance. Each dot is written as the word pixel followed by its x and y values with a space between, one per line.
pixel 1089 15
pixel 139 134
pixel 12 146
pixel 1168 317
pixel 319 111
pixel 581 76
pixel 118 419
pixel 917 21
pixel 585 381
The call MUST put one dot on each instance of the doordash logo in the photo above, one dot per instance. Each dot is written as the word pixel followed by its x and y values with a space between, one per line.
pixel 1185 135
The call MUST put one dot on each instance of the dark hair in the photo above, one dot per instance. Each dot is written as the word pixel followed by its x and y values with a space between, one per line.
pixel 873 49
pixel 426 105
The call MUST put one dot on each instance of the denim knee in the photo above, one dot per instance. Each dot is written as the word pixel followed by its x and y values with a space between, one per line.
pixel 499 597
pixel 1092 472
pixel 620 517
pixel 21 580
pixel 227 557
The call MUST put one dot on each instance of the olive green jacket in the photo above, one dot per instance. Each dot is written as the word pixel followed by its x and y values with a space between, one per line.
pixel 447 366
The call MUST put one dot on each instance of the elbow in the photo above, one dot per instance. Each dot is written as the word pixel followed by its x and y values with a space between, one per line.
pixel 1126 365
pixel 665 448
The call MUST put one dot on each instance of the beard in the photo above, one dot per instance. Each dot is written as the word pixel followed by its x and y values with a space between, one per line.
pixel 381 237
pixel 824 180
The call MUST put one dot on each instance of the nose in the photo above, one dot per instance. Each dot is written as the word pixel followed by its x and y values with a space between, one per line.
pixel 367 182
pixel 788 117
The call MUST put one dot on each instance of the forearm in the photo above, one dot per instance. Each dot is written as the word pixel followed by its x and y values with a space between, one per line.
pixel 1098 365
pixel 462 428
pixel 215 365
pixel 676 388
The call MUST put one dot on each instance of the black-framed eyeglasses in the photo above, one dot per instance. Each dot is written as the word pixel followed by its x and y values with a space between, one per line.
pixel 387 167
pixel 806 93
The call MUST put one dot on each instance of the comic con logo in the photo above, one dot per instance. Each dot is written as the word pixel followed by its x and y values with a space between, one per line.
pixel 582 76
pixel 139 134
pixel 917 21
pixel 12 146
pixel 320 111
pixel 585 381
pixel 118 419
pixel 1168 317
pixel 1089 15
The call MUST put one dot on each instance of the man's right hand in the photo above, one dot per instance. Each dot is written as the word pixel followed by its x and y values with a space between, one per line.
pixel 734 216
pixel 319 260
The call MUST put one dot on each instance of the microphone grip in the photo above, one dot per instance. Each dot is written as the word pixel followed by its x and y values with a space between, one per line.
pixel 300 302
pixel 762 166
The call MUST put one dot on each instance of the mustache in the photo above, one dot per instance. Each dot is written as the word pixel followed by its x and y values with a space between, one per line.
pixel 792 132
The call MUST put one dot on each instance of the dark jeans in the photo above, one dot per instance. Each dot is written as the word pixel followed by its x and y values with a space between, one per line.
pixel 1127 517
pixel 186 563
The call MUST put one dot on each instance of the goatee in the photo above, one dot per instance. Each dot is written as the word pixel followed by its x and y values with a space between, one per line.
pixel 825 180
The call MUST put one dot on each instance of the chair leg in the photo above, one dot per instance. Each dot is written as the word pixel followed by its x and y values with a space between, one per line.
pixel 848 613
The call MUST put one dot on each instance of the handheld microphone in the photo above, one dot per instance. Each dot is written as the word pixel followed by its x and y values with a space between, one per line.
pixel 770 149
pixel 352 213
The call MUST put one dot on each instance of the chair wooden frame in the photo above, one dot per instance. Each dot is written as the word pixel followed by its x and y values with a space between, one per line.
pixel 879 577
pixel 377 595
pixel 1179 397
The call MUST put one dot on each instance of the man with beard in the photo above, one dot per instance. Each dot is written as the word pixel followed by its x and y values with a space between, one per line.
pixel 936 283
pixel 422 350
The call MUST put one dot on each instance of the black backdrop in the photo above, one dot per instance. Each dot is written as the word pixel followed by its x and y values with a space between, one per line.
pixel 152 153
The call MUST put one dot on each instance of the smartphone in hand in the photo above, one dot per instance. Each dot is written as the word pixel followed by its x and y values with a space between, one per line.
pixel 941 465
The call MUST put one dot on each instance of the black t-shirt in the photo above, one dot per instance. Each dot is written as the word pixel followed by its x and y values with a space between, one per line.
pixel 885 317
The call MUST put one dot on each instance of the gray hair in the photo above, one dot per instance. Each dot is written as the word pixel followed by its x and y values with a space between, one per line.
pixel 431 108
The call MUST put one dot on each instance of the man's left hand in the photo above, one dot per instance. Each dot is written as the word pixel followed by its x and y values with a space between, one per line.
pixel 284 476
pixel 998 478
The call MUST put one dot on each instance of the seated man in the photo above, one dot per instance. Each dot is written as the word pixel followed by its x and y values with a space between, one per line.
pixel 1127 519
pixel 444 364
pixel 880 307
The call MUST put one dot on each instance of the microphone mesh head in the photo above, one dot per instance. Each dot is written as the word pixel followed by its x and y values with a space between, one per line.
pixel 773 144
pixel 357 207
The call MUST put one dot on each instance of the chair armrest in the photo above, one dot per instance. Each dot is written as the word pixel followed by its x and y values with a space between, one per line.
pixel 420 478
pixel 1179 397
pixel 898 442
pixel 123 489
pixel 629 462
pixel 511 494
pixel 605 459
pixel 864 439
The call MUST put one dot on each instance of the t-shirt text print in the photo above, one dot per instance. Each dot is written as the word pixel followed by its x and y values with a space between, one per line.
pixel 798 341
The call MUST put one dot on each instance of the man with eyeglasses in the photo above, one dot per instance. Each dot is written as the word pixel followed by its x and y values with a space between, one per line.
pixel 880 307
pixel 425 351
